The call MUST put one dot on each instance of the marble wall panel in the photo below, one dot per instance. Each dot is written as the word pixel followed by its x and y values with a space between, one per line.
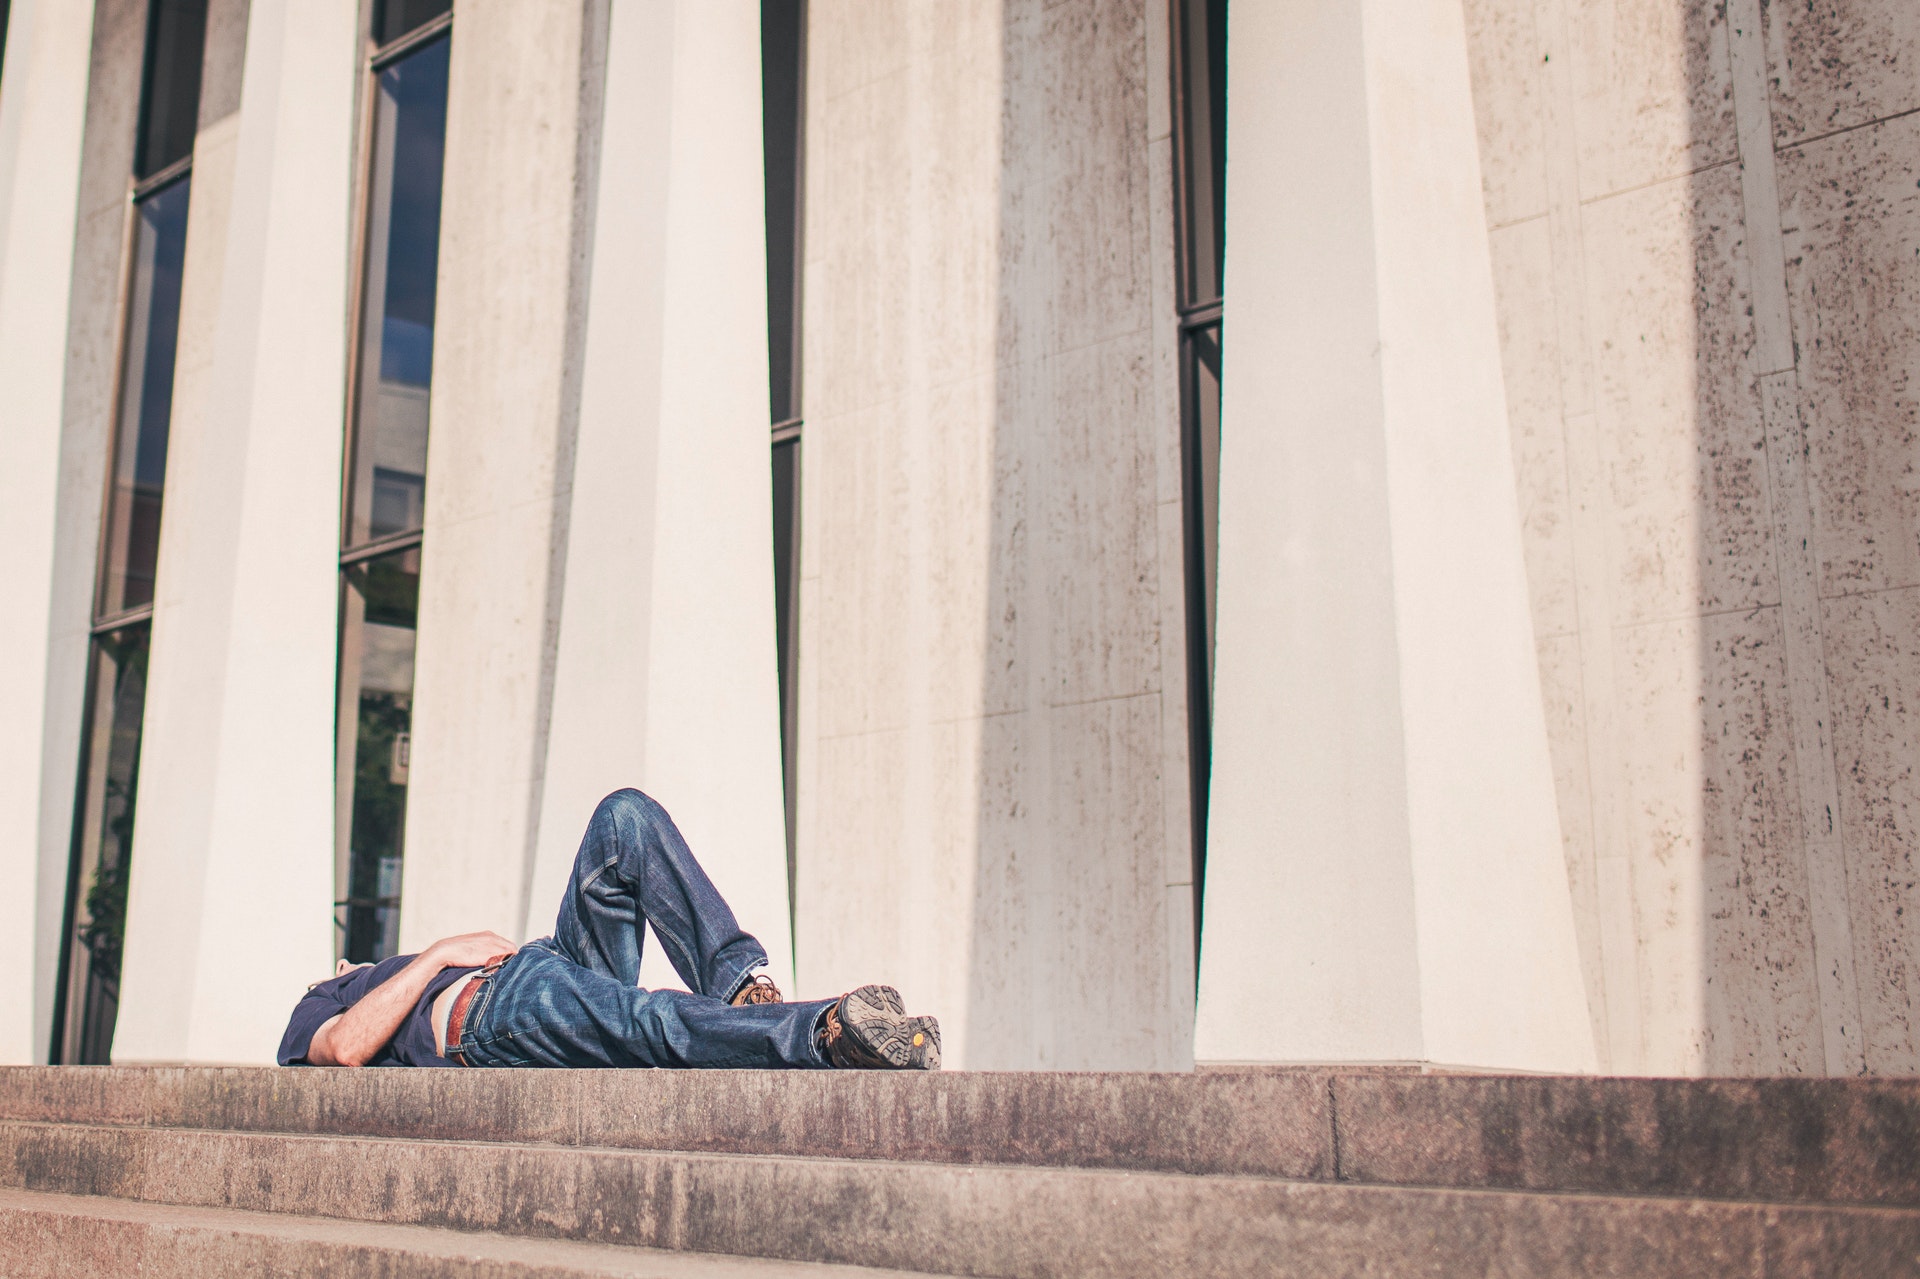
pixel 1509 101
pixel 1012 892
pixel 858 487
pixel 1840 64
pixel 1659 719
pixel 1077 74
pixel 852 43
pixel 1873 662
pixel 1762 1006
pixel 1668 304
pixel 965 566
pixel 522 117
pixel 1097 509
pixel 1530 357
pixel 1852 217
pixel 1561 693
pixel 1100 941
pixel 959 134
pixel 113 104
pixel 983 493
pixel 1651 565
pixel 1723 931
pixel 1655 90
pixel 851 928
pixel 858 286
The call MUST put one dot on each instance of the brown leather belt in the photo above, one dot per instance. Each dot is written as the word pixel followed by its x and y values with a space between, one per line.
pixel 457 1018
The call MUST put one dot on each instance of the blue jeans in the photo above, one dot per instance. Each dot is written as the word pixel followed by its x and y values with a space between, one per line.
pixel 571 999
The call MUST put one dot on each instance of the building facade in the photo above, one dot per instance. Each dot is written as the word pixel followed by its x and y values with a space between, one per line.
pixel 1174 532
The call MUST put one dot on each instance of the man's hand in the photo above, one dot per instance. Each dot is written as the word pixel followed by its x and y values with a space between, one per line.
pixel 356 1036
pixel 471 950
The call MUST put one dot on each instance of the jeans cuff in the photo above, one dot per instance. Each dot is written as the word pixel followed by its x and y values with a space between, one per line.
pixel 746 975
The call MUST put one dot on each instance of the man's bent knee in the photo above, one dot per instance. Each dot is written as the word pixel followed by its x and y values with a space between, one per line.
pixel 630 805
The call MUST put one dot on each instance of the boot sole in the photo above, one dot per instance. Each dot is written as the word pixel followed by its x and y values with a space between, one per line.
pixel 875 1018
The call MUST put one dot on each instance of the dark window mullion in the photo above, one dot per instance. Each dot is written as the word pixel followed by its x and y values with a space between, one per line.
pixel 1199 136
pixel 783 64
pixel 384 484
pixel 93 923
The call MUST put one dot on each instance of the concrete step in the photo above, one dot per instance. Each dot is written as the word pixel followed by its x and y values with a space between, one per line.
pixel 1027 1176
pixel 1022 1222
pixel 46 1236
pixel 1827 1141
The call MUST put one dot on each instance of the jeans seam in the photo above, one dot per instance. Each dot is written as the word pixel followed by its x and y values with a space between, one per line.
pixel 604 868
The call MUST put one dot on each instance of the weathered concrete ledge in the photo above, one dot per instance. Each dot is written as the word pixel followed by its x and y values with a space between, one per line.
pixel 1784 1141
pixel 48 1236
pixel 1014 1221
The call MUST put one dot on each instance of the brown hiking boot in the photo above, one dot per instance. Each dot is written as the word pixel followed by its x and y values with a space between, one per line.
pixel 758 990
pixel 868 1029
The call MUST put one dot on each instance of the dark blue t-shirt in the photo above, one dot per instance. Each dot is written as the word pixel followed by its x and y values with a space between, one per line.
pixel 411 1045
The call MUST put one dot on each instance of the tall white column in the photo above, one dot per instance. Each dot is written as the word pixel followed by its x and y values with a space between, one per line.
pixel 1384 872
pixel 228 913
pixel 43 98
pixel 523 92
pixel 666 673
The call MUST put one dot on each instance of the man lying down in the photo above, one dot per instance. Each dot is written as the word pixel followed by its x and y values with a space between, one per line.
pixel 571 999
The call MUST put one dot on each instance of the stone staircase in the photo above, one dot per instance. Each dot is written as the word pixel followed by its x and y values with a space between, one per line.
pixel 213 1172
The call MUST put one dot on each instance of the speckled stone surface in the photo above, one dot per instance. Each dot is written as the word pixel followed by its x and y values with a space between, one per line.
pixel 88 1237
pixel 1702 219
pixel 1807 1140
pixel 1020 1222
pixel 1227 1172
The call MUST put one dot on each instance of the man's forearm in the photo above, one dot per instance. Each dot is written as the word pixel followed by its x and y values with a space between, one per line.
pixel 364 1029
pixel 352 1038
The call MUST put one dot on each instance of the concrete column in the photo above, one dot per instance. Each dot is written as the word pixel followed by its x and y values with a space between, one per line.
pixel 665 675
pixel 1385 878
pixel 522 125
pixel 43 101
pixel 228 908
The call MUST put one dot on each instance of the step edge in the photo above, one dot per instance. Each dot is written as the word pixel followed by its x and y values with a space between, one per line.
pixel 1172 1176
pixel 439 1242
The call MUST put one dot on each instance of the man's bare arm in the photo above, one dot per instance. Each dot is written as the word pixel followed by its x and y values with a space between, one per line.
pixel 355 1036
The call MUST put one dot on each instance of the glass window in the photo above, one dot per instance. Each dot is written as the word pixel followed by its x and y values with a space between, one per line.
pixel 783 104
pixel 379 603
pixel 103 844
pixel 1201 53
pixel 132 534
pixel 389 456
pixel 87 987
pixel 786 611
pixel 1200 175
pixel 783 96
pixel 397 17
pixel 170 106
pixel 1203 452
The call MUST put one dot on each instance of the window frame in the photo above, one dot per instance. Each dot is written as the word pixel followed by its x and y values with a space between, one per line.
pixel 101 623
pixel 1197 319
pixel 375 58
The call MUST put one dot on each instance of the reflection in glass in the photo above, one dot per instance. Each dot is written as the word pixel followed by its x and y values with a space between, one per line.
pixel 146 401
pixel 396 323
pixel 397 17
pixel 783 99
pixel 170 112
pixel 1200 463
pixel 1204 448
pixel 1203 146
pixel 97 892
pixel 379 602
pixel 786 614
